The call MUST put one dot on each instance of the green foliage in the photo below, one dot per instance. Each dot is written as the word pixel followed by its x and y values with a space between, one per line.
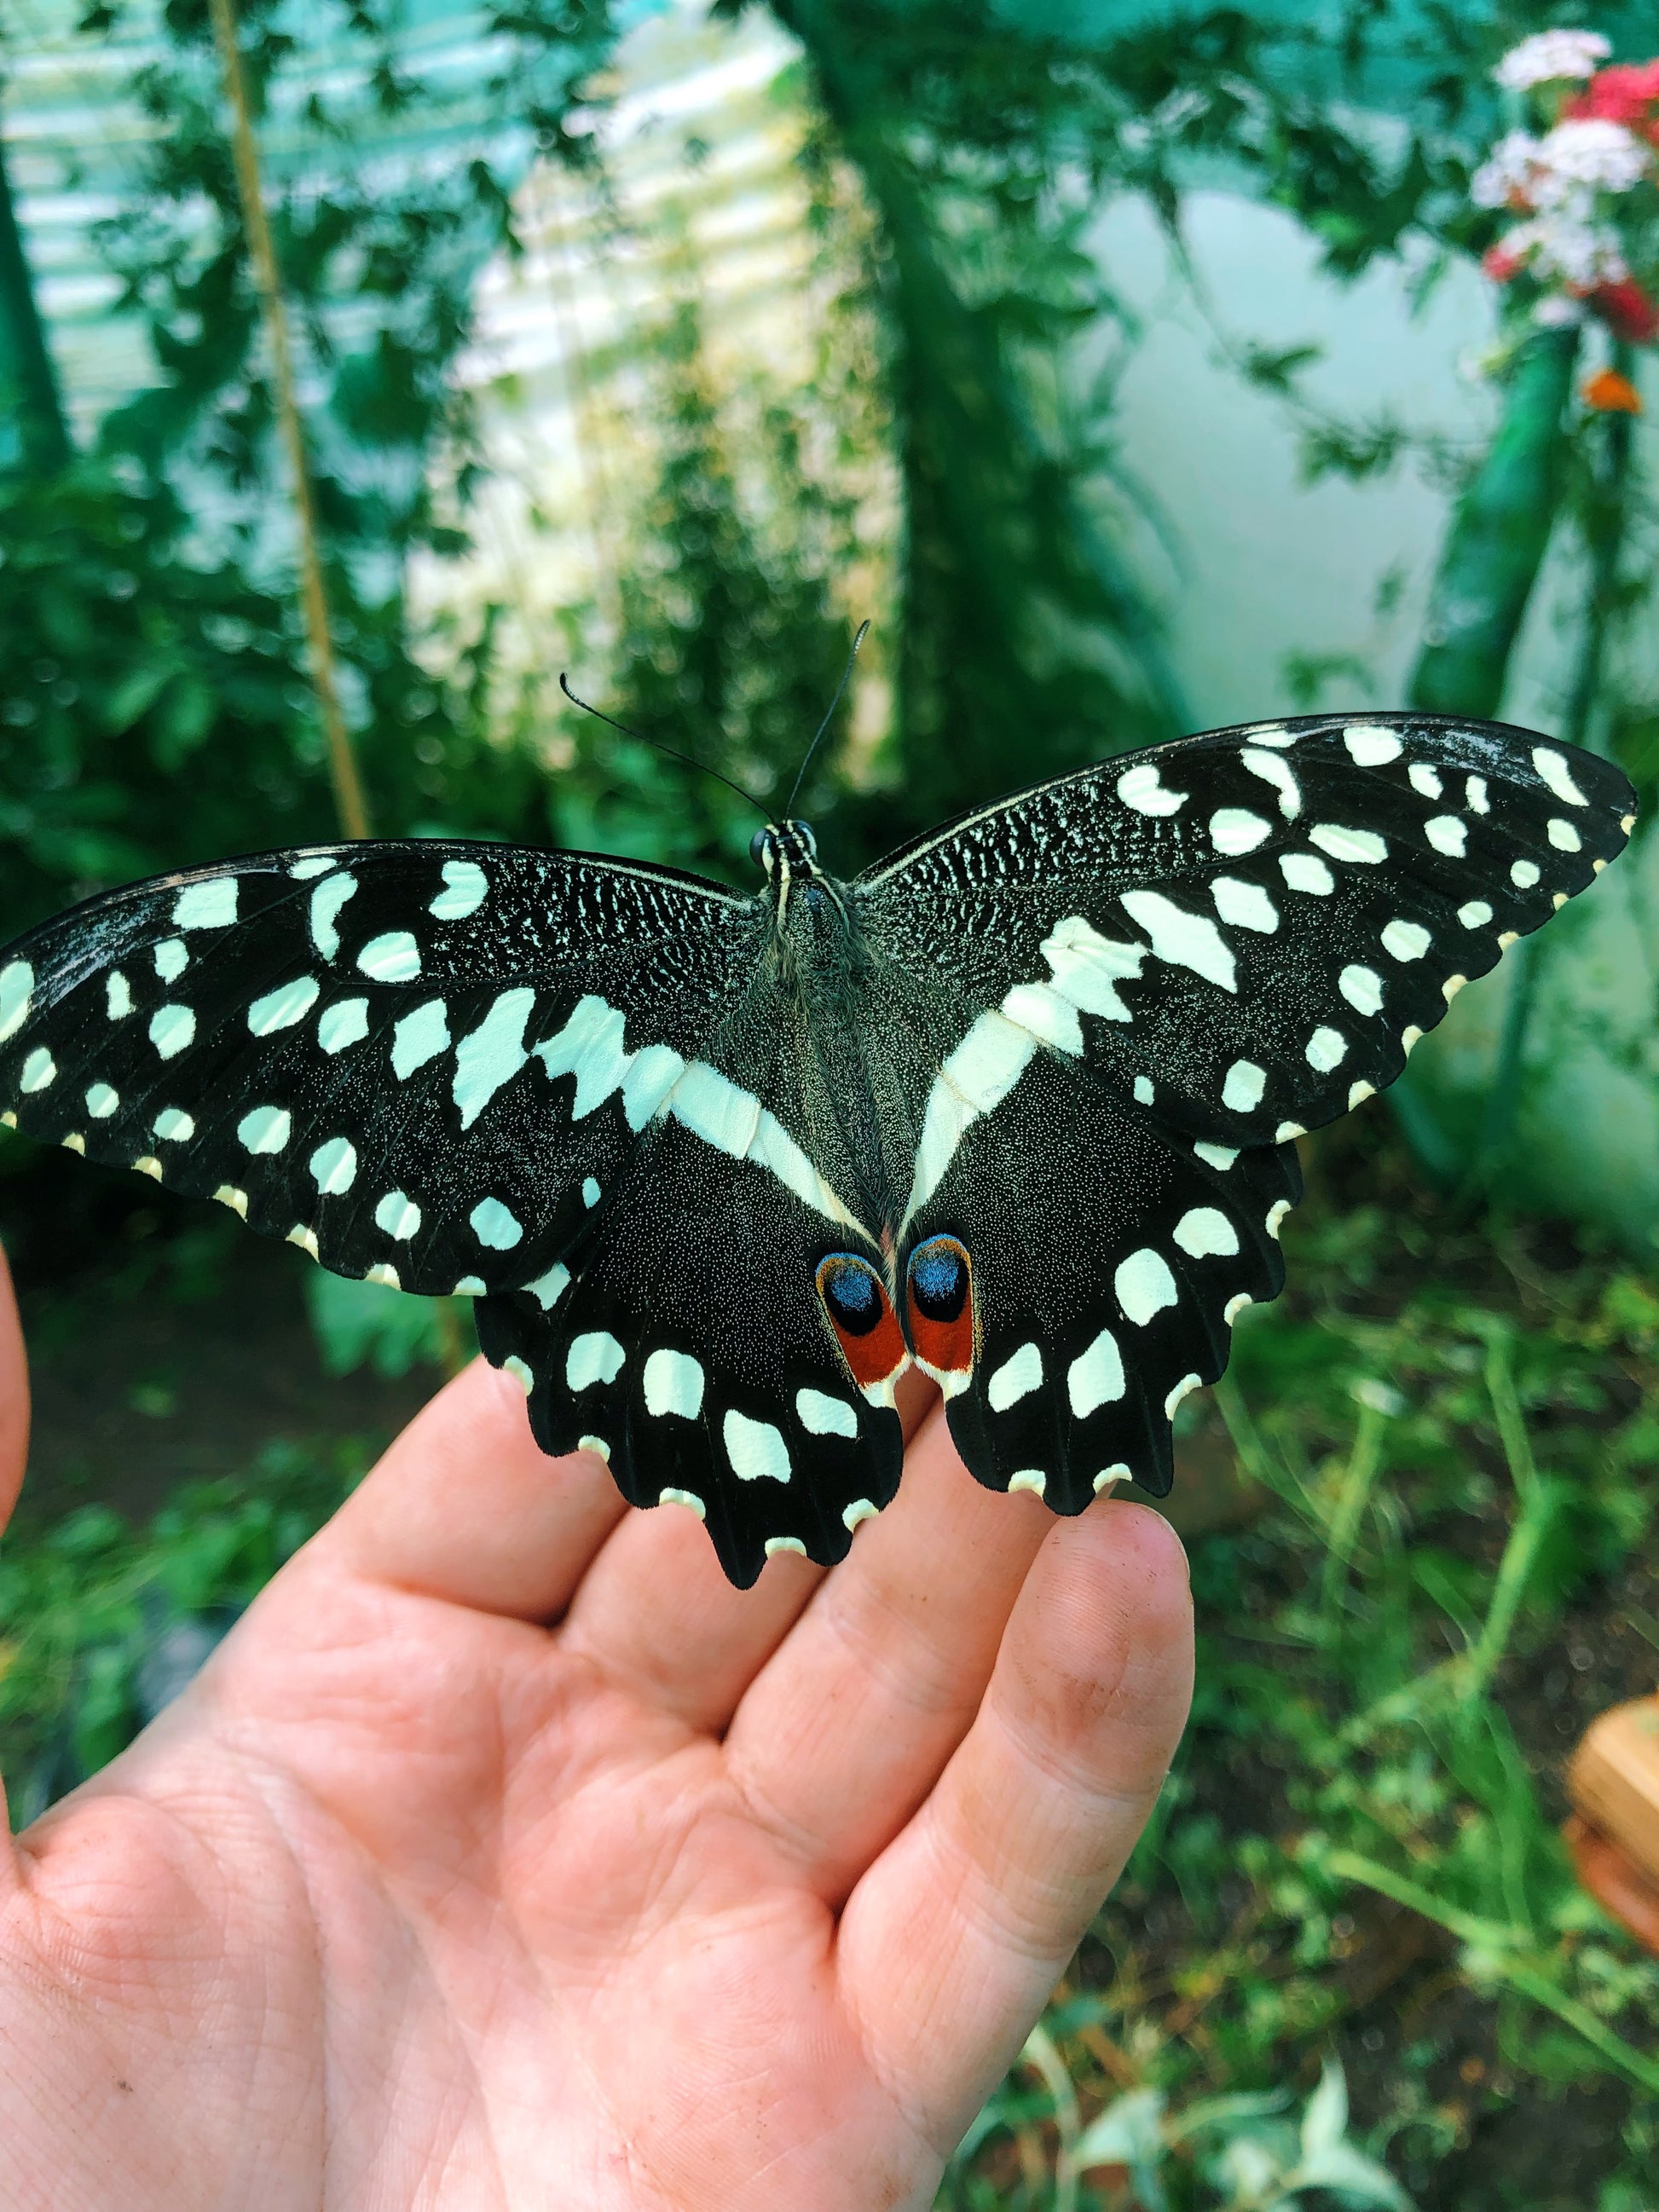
pixel 1452 1434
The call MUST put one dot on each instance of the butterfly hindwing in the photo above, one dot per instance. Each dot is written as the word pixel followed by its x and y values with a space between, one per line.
pixel 686 1343
pixel 423 1062
pixel 1108 1259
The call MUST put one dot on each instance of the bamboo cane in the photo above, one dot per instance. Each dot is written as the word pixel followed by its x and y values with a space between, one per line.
pixel 348 799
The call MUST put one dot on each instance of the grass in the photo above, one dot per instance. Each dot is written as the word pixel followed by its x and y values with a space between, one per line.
pixel 1350 1941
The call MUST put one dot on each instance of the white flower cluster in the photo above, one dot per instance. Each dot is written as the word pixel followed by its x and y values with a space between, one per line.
pixel 1549 56
pixel 1563 170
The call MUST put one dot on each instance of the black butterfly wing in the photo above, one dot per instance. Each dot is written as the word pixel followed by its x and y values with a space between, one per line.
pixel 685 1344
pixel 424 1062
pixel 1245 932
pixel 1144 979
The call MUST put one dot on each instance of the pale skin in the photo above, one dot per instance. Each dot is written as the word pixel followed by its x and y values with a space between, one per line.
pixel 505 1855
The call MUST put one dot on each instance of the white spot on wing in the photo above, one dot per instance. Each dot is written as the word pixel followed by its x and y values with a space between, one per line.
pixel 1371 745
pixel 102 1100
pixel 227 1195
pixel 397 1216
pixel 775 1545
pixel 689 1498
pixel 1306 872
pixel 975 1076
pixel 1448 834
pixel 170 958
pixel 1242 1091
pixel 118 996
pixel 1234 831
pixel 521 1372
pixel 1474 794
pixel 383 1272
pixel 1362 987
pixel 1095 1377
pixel 1139 787
pixel 1325 1049
pixel 1563 835
pixel 334 1166
pixel 754 1449
pixel 1475 915
pixel 1551 767
pixel 1206 1233
pixel 1404 941
pixel 392 958
pixel 1028 1477
pixel 673 1384
pixel 1234 1306
pixel 1087 967
pixel 496 1225
pixel 858 1512
pixel 1273 770
pixel 821 1415
pixel 547 1290
pixel 591 1193
pixel 318 864
pixel 305 1238
pixel 1362 846
pixel 1144 1285
pixel 38 1070
pixel 281 1008
pixel 1144 1092
pixel 1246 906
pixel 1276 1213
pixel 593 1358
pixel 1184 1389
pixel 172 1125
pixel 329 896
pixel 171 1030
pixel 211 905
pixel 492 1054
pixel 419 1037
pixel 266 1129
pixel 465 888
pixel 1050 1017
pixel 1017 1377
pixel 1524 874
pixel 590 1048
pixel 346 1023
pixel 1216 1156
pixel 1186 940
pixel 1424 780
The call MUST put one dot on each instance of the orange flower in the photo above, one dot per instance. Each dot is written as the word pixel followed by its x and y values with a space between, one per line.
pixel 1610 393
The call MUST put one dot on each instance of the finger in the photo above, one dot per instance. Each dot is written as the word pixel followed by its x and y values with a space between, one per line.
pixel 466 1506
pixel 847 1730
pixel 951 1944
pixel 13 1451
pixel 658 1614
pixel 13 1398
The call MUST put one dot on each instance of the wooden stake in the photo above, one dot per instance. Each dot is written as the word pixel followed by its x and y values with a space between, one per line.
pixel 343 764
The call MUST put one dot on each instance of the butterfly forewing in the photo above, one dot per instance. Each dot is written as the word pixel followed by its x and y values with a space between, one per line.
pixel 411 1060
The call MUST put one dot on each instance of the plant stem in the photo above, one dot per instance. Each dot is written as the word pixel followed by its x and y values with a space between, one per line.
pixel 1042 2054
pixel 1357 1480
pixel 1496 544
pixel 39 439
pixel 348 799
pixel 1496 1944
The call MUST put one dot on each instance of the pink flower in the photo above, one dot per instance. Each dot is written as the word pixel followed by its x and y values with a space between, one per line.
pixel 1500 265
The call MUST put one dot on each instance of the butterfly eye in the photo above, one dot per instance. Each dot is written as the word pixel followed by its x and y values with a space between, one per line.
pixel 867 1328
pixel 757 846
pixel 942 1306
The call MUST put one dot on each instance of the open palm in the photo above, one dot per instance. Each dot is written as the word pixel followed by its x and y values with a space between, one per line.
pixel 506 1856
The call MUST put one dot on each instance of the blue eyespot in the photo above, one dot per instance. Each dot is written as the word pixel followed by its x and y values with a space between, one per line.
pixel 938 1279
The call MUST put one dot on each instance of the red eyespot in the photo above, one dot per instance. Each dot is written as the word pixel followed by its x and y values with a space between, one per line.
pixel 941 1300
pixel 861 1314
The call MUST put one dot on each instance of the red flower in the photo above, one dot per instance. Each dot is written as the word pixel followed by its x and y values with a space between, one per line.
pixel 1627 309
pixel 1500 265
pixel 1624 94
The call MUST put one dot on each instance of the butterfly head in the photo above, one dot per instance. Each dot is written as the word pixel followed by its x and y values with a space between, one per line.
pixel 786 850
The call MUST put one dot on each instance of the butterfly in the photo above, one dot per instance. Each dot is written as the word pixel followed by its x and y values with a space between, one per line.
pixel 1016 1105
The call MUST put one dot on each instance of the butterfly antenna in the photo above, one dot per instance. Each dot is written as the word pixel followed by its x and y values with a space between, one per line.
pixel 672 751
pixel 846 675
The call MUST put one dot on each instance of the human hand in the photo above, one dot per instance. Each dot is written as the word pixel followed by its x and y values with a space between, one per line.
pixel 506 1856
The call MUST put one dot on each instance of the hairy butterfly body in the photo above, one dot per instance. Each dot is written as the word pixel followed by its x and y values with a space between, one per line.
pixel 1016 1105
